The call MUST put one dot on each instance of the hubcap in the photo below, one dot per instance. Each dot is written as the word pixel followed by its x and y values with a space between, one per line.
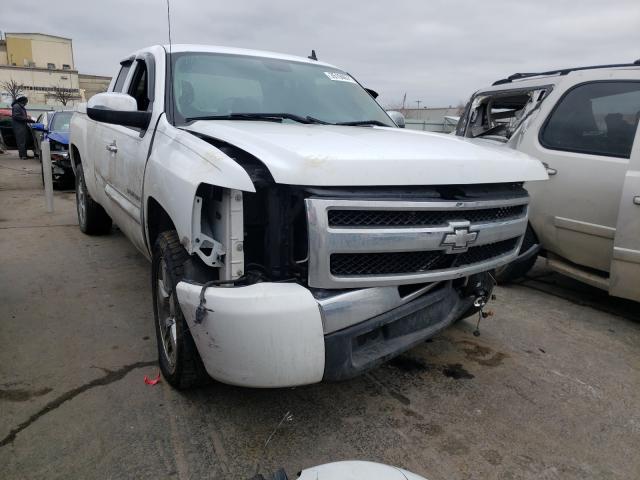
pixel 165 301
pixel 82 201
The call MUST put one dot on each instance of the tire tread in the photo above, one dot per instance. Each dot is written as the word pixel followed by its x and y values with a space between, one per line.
pixel 190 371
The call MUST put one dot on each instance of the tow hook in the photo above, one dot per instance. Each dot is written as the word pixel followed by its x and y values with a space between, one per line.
pixel 481 300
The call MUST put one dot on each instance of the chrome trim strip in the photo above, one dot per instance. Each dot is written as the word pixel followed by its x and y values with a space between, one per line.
pixel 325 240
pixel 375 240
pixel 350 308
pixel 339 204
pixel 626 254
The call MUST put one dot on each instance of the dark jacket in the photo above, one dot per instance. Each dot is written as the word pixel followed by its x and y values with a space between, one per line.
pixel 19 113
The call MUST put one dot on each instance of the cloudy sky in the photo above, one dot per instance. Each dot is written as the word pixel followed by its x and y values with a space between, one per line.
pixel 436 51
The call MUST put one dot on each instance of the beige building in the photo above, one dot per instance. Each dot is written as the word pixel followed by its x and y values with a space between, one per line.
pixel 92 84
pixel 42 64
pixel 37 50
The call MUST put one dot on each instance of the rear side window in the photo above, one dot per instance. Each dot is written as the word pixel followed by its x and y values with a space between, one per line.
pixel 597 118
pixel 122 76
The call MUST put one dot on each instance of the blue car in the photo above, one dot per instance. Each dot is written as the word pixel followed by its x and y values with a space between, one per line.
pixel 57 132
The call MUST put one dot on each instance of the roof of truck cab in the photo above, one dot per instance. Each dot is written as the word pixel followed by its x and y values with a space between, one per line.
pixel 179 48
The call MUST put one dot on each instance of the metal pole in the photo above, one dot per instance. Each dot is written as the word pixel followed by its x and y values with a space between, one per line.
pixel 45 154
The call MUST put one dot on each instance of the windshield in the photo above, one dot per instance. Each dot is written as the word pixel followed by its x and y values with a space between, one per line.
pixel 218 85
pixel 60 122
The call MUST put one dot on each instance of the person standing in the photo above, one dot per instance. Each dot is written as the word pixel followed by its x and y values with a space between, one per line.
pixel 19 121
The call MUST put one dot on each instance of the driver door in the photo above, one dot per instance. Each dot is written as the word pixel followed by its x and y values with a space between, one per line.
pixel 127 149
pixel 105 160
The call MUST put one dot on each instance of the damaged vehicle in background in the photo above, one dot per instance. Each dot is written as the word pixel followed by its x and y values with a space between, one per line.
pixel 56 131
pixel 582 123
pixel 295 233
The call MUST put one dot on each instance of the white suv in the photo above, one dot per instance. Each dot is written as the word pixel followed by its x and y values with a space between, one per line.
pixel 582 124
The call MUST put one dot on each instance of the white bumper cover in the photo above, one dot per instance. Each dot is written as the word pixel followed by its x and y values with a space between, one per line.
pixel 264 335
pixel 357 470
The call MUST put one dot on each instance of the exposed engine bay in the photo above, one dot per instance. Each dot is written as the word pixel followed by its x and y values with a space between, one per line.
pixel 275 240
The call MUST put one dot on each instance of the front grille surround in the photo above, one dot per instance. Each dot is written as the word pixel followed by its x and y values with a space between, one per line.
pixel 408 251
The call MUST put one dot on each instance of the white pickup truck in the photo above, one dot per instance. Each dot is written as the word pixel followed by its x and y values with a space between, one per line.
pixel 295 233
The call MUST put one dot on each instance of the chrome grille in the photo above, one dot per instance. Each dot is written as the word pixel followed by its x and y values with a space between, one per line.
pixel 486 252
pixel 387 263
pixel 343 264
pixel 369 243
pixel 417 218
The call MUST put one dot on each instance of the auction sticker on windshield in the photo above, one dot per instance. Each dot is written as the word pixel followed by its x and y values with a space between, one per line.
pixel 339 77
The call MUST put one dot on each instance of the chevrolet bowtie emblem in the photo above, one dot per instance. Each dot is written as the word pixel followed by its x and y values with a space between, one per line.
pixel 458 241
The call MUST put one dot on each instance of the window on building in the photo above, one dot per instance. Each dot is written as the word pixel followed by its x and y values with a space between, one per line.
pixel 598 118
pixel 139 88
pixel 66 67
pixel 51 66
pixel 122 76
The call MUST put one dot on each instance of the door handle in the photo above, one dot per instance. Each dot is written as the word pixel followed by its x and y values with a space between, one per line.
pixel 550 171
pixel 636 200
pixel 112 147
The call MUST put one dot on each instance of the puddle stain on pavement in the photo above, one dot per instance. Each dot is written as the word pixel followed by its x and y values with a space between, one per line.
pixel 482 355
pixel 22 395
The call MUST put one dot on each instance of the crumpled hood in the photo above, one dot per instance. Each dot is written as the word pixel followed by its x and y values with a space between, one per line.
pixel 60 137
pixel 330 155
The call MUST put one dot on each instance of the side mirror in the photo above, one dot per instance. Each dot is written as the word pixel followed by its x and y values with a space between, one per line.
pixel 39 127
pixel 397 118
pixel 117 109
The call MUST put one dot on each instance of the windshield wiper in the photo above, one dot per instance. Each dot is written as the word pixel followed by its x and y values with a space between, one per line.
pixel 272 117
pixel 363 123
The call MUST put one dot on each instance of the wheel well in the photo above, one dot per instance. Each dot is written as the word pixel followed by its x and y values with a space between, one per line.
pixel 75 156
pixel 158 221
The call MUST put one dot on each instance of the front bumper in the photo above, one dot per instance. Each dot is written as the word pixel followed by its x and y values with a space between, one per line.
pixel 271 335
pixel 61 169
pixel 353 350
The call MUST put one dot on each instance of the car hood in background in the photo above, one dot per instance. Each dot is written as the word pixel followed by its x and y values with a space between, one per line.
pixel 331 155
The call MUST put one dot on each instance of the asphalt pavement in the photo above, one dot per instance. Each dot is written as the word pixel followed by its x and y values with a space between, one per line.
pixel 549 390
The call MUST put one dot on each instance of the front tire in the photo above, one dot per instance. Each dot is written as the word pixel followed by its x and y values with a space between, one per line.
pixel 92 218
pixel 179 360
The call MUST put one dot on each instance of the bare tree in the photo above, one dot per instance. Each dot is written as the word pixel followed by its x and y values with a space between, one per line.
pixel 62 95
pixel 13 88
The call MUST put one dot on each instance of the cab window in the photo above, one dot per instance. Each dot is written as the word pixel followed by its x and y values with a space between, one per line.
pixel 122 76
pixel 139 88
pixel 598 118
